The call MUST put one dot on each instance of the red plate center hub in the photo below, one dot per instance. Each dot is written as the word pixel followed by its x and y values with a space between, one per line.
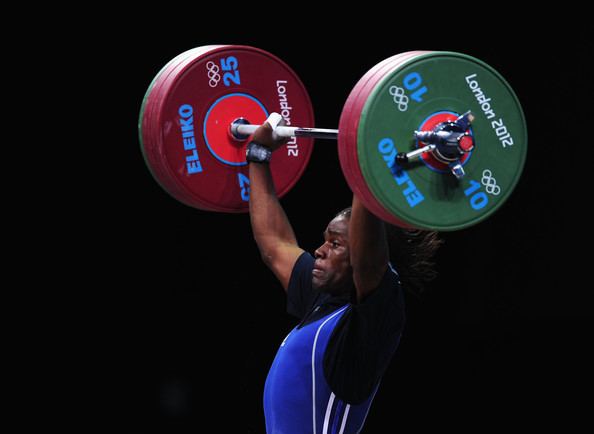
pixel 218 118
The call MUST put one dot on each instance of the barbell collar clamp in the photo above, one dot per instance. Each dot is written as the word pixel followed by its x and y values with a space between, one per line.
pixel 405 157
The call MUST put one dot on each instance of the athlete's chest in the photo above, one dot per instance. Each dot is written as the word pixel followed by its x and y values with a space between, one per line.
pixel 309 337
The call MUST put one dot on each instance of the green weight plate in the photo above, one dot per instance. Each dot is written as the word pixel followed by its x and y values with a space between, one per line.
pixel 416 95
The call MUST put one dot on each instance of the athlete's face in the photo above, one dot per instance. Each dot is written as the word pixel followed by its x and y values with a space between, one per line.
pixel 332 269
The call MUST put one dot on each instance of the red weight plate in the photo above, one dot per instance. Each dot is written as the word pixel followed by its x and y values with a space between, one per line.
pixel 346 121
pixel 348 127
pixel 349 120
pixel 367 196
pixel 194 157
pixel 156 159
pixel 348 106
pixel 149 128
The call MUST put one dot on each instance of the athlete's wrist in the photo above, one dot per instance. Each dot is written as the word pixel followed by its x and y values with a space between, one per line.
pixel 257 153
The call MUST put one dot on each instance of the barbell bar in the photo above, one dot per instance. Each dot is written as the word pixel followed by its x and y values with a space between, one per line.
pixel 241 131
pixel 448 140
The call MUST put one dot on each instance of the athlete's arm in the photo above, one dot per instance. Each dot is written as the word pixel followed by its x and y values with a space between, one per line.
pixel 368 249
pixel 271 227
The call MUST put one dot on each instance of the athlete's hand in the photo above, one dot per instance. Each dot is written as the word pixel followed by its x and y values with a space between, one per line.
pixel 265 135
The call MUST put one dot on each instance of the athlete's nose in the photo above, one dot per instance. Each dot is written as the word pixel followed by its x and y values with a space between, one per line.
pixel 320 252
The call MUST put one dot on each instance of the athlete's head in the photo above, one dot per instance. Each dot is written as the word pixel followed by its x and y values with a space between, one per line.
pixel 411 253
pixel 332 269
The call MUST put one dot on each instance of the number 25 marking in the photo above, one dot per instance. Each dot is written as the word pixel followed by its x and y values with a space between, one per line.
pixel 230 64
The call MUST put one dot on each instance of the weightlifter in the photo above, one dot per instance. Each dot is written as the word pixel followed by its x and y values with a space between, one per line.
pixel 348 297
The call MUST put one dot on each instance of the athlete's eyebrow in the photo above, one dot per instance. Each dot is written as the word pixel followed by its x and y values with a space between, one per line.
pixel 331 232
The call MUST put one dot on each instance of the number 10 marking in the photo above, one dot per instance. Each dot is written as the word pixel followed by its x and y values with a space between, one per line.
pixel 411 82
pixel 479 199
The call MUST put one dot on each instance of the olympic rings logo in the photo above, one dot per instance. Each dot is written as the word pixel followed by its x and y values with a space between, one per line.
pixel 213 74
pixel 400 97
pixel 490 183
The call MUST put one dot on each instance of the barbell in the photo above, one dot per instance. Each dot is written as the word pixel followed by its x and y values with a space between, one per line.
pixel 427 139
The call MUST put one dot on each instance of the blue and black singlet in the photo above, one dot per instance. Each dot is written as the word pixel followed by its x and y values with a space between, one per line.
pixel 327 370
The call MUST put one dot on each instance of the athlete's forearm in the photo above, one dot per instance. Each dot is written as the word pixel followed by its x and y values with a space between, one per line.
pixel 270 224
pixel 368 248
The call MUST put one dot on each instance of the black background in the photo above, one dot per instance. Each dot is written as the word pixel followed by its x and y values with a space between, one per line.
pixel 186 319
